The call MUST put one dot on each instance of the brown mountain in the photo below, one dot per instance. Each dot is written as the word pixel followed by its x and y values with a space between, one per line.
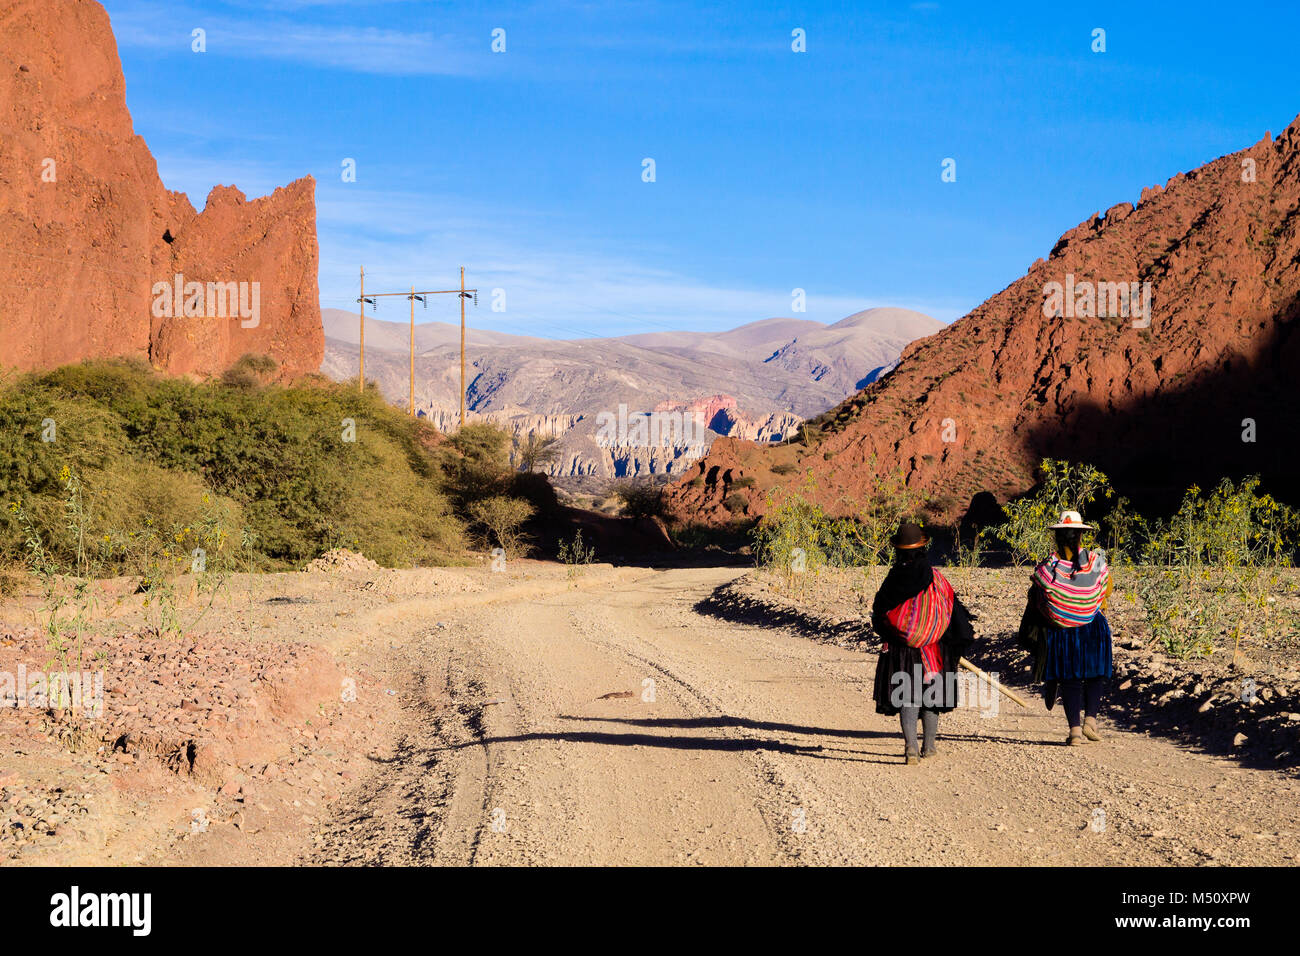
pixel 89 236
pixel 1157 407
pixel 756 381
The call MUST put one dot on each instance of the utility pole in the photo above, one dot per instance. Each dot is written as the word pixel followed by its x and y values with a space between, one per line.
pixel 412 400
pixel 361 376
pixel 413 296
pixel 462 346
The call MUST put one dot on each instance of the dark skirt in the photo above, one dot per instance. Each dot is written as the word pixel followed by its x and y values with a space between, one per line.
pixel 1077 653
pixel 900 681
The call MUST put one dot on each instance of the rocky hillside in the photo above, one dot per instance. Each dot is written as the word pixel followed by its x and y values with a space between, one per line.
pixel 755 382
pixel 92 243
pixel 1189 380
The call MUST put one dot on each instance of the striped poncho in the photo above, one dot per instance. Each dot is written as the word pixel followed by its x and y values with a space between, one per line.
pixel 921 621
pixel 1070 595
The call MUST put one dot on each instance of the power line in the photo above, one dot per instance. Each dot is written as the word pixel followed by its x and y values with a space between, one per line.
pixel 463 294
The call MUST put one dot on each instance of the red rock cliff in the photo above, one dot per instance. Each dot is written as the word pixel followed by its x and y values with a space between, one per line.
pixel 88 232
pixel 1207 390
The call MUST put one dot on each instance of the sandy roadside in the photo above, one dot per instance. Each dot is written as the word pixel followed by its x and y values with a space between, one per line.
pixel 231 744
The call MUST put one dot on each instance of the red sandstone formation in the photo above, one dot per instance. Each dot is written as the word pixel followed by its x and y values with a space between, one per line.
pixel 88 233
pixel 1159 407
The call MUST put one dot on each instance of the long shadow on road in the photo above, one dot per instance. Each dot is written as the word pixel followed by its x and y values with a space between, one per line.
pixel 720 744
pixel 729 603
pixel 744 723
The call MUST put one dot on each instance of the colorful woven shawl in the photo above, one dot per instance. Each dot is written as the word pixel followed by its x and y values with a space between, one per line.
pixel 1071 596
pixel 923 619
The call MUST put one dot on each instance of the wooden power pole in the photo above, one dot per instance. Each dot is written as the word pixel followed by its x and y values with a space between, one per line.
pixel 412 351
pixel 462 346
pixel 361 376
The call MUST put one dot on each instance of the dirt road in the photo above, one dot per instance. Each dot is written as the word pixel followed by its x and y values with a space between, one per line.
pixel 741 744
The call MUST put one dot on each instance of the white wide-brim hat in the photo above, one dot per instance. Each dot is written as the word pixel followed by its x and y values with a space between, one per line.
pixel 1071 519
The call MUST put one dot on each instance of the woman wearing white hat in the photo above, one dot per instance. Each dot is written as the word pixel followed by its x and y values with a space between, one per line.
pixel 1069 634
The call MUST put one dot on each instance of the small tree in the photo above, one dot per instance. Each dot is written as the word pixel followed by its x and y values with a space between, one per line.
pixel 640 499
pixel 873 519
pixel 789 538
pixel 1064 487
pixel 536 450
pixel 502 518
pixel 67 583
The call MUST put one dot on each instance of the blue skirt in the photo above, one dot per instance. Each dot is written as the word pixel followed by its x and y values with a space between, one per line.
pixel 1077 653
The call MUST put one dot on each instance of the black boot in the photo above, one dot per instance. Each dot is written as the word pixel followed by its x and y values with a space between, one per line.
pixel 930 727
pixel 907 717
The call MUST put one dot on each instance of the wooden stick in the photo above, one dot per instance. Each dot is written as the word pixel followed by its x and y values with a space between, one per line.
pixel 986 678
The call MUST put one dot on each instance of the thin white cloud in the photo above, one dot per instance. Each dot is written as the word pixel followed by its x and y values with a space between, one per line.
pixel 151 25
pixel 553 287
pixel 279 6
pixel 556 286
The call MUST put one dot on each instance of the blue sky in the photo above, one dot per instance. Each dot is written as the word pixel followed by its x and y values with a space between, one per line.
pixel 775 170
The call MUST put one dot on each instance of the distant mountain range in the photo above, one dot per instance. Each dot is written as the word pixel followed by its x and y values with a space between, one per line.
pixel 756 381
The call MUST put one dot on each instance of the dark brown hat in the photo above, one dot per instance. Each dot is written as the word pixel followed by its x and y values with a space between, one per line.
pixel 909 535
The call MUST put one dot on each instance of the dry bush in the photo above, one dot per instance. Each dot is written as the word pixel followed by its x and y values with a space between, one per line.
pixel 502 518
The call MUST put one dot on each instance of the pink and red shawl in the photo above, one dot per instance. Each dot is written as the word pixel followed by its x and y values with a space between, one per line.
pixel 921 621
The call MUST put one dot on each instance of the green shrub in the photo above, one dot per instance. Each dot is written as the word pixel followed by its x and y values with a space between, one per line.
pixel 1215 568
pixel 302 469
pixel 482 445
pixel 791 535
pixel 1234 526
pixel 479 465
pixel 574 552
pixel 857 537
pixel 1064 487
pixel 250 371
pixel 1205 575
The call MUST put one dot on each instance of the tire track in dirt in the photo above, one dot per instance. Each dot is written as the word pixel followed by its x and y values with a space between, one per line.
pixel 411 811
pixel 559 779
pixel 791 810
pixel 763 770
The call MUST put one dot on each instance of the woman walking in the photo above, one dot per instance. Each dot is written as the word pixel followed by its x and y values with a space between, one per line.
pixel 926 630
pixel 1072 643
